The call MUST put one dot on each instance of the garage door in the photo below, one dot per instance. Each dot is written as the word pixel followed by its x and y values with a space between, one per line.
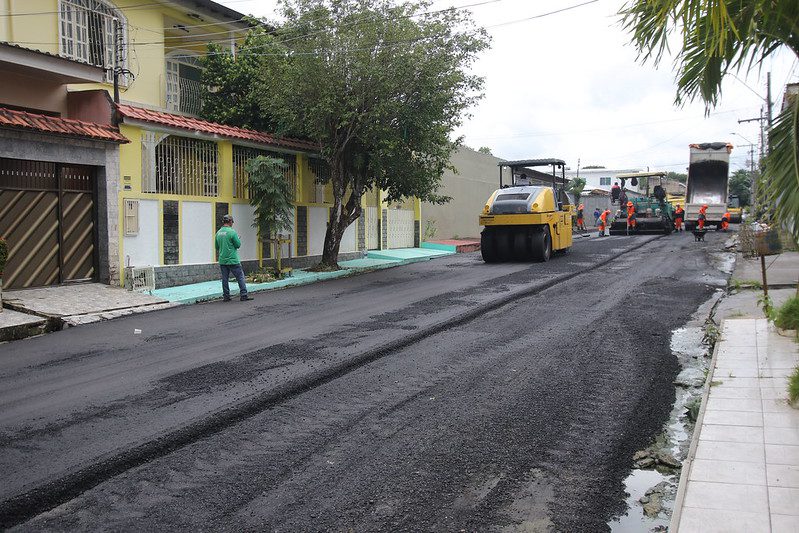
pixel 400 228
pixel 47 216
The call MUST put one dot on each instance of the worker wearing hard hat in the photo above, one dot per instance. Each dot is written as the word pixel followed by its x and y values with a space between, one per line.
pixel 631 221
pixel 679 215
pixel 702 217
pixel 725 222
pixel 580 219
pixel 603 222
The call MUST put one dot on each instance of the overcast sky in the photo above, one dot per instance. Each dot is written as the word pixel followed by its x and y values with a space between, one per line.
pixel 568 86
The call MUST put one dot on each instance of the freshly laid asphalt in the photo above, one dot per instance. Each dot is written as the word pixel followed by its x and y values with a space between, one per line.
pixel 436 396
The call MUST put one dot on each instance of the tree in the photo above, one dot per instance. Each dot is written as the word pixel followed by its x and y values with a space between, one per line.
pixel 677 176
pixel 485 150
pixel 593 167
pixel 379 85
pixel 576 187
pixel 740 185
pixel 270 195
pixel 722 37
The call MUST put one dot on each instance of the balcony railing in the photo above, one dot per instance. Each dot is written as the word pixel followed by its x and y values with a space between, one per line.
pixel 183 95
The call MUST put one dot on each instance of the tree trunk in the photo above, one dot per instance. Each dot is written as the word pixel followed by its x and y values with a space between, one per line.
pixel 343 215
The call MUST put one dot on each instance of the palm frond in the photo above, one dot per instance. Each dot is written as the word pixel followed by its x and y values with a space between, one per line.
pixel 782 168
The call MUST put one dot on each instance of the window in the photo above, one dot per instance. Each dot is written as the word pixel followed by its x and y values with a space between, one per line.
pixel 604 181
pixel 241 155
pixel 86 32
pixel 183 83
pixel 179 165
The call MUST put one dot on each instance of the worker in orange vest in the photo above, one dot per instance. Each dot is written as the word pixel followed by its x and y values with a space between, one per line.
pixel 679 215
pixel 725 222
pixel 701 220
pixel 631 221
pixel 603 222
pixel 580 223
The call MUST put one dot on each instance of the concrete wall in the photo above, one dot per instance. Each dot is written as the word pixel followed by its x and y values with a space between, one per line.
pixel 476 179
pixel 197 232
pixel 36 93
pixel 104 157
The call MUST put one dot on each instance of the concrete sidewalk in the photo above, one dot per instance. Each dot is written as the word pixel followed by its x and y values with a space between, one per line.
pixel 781 270
pixel 742 470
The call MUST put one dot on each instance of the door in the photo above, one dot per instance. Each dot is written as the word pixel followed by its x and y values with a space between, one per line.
pixel 400 228
pixel 372 225
pixel 47 216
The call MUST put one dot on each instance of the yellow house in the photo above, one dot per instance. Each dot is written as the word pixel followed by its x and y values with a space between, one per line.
pixel 177 174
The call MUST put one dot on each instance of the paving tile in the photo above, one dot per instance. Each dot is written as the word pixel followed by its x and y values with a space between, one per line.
pixel 734 404
pixel 727 496
pixel 733 418
pixel 725 350
pixel 783 500
pixel 773 393
pixel 694 520
pixel 778 362
pixel 781 523
pixel 749 369
pixel 781 420
pixel 747 452
pixel 783 476
pixel 772 382
pixel 726 381
pixel 777 405
pixel 775 372
pixel 735 392
pixel 782 454
pixel 788 436
pixel 723 433
pixel 729 472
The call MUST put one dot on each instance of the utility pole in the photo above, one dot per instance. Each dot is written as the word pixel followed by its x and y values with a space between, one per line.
pixel 768 100
pixel 118 51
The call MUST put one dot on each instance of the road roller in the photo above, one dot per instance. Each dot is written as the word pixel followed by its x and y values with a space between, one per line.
pixel 529 218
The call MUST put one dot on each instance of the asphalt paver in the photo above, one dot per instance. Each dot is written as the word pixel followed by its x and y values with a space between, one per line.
pixel 521 414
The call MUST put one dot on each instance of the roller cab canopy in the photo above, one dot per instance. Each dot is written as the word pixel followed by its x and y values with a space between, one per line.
pixel 555 164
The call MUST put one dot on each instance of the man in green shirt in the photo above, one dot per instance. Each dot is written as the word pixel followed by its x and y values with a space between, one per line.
pixel 227 249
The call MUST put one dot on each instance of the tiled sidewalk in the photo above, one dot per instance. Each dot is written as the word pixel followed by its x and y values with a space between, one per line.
pixel 742 472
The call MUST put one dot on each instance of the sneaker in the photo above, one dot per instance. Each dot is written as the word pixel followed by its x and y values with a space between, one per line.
pixel 246 298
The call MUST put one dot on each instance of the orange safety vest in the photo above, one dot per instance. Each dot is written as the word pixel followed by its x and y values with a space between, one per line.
pixel 679 212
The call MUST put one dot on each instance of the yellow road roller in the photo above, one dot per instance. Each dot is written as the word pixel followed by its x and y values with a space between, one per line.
pixel 530 217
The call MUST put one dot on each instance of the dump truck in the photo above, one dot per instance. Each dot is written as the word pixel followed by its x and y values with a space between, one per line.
pixel 653 214
pixel 529 218
pixel 708 182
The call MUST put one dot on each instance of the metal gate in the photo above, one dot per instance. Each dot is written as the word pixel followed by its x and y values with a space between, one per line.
pixel 372 225
pixel 47 214
pixel 400 228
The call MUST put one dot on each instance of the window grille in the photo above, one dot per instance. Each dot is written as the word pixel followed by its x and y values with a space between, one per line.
pixel 86 29
pixel 179 165
pixel 183 83
pixel 321 172
pixel 242 154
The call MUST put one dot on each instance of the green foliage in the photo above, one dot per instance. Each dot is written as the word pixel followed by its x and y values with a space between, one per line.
pixel 593 167
pixel 380 85
pixel 782 168
pixel 692 408
pixel 485 150
pixel 793 387
pixel 430 229
pixel 233 98
pixel 740 185
pixel 740 284
pixel 765 302
pixel 3 255
pixel 576 187
pixel 262 275
pixel 270 195
pixel 677 176
pixel 787 316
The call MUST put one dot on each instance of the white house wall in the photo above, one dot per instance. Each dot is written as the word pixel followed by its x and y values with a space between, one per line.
pixel 197 231
pixel 243 215
pixel 317 227
pixel 144 248
pixel 349 241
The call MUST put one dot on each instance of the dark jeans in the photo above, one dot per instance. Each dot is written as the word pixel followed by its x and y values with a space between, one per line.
pixel 238 273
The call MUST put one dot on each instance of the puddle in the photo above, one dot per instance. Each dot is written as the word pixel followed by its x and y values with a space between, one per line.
pixel 637 483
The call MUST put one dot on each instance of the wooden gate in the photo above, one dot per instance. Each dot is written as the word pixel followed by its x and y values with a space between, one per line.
pixel 47 216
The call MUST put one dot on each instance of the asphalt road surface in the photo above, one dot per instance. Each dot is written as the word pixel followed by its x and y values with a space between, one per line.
pixel 438 396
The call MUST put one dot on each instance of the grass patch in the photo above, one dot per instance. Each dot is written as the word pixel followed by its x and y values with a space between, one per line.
pixel 740 284
pixel 787 316
pixel 793 386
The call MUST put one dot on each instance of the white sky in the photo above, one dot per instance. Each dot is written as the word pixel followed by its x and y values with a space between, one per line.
pixel 568 86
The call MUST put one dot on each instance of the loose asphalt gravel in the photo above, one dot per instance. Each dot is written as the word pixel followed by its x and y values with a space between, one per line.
pixel 444 395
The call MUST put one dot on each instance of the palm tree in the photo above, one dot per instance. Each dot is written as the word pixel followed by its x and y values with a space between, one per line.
pixel 721 37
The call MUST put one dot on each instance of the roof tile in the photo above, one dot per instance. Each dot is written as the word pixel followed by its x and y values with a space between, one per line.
pixel 60 126
pixel 212 128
